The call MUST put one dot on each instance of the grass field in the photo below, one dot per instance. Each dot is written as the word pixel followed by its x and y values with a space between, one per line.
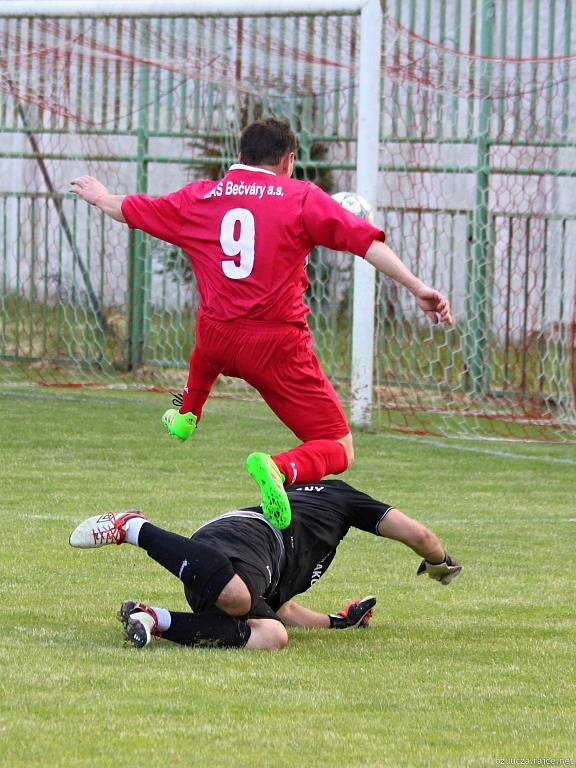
pixel 466 675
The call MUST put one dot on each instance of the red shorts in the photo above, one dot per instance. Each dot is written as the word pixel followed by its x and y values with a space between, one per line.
pixel 278 360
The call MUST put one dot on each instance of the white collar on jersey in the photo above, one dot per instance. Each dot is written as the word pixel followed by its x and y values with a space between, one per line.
pixel 242 167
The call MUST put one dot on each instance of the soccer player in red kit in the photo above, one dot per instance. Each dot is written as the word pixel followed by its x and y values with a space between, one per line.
pixel 248 237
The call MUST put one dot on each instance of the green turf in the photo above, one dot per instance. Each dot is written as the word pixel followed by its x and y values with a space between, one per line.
pixel 446 676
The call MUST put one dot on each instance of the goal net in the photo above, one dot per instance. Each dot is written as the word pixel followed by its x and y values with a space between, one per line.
pixel 477 169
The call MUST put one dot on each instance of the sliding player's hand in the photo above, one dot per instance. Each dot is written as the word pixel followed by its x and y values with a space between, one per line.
pixel 356 614
pixel 89 189
pixel 433 304
pixel 443 572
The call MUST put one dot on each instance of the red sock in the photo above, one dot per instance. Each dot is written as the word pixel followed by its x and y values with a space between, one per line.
pixel 201 377
pixel 311 461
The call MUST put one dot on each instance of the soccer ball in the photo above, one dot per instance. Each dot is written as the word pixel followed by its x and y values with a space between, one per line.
pixel 354 203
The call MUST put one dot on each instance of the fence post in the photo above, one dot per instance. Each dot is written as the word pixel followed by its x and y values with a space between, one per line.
pixel 477 310
pixel 368 147
pixel 137 272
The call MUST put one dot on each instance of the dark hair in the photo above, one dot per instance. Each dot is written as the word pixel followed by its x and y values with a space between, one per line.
pixel 265 142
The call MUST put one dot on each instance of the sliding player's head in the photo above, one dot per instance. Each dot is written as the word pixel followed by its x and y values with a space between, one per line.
pixel 269 143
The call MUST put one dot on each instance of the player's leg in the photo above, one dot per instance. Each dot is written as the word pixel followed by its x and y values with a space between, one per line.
pixel 238 348
pixel 201 568
pixel 266 635
pixel 226 598
pixel 312 460
pixel 275 503
pixel 268 632
pixel 208 578
pixel 212 347
pixel 300 394
pixel 202 374
pixel 210 628
pixel 260 629
pixel 223 631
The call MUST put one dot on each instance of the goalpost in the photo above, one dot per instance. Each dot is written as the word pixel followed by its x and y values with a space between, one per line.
pixel 453 124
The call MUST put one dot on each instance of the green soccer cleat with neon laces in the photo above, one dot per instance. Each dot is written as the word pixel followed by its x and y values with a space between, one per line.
pixel 180 425
pixel 275 503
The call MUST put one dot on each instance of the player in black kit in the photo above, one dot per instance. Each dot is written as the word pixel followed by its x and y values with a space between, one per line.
pixel 240 573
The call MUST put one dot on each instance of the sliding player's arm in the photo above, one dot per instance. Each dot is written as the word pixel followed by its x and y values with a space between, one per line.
pixel 373 516
pixel 294 615
pixel 94 192
pixel 437 563
pixel 356 613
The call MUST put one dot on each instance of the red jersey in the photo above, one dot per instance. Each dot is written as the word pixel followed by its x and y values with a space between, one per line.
pixel 248 237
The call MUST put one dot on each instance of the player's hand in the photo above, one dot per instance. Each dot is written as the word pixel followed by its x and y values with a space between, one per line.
pixel 89 189
pixel 433 304
pixel 443 572
pixel 356 614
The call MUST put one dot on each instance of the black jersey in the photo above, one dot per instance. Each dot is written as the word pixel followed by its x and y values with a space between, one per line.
pixel 322 514
pixel 297 557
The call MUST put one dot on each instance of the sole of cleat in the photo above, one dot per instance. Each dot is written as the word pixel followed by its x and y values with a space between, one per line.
pixel 275 502
pixel 135 632
pixel 125 610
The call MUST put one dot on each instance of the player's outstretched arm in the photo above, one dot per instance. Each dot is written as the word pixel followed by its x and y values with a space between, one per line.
pixel 437 563
pixel 94 192
pixel 431 302
pixel 294 615
pixel 357 613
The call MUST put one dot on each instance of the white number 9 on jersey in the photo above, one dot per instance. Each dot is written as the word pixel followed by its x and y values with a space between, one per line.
pixel 238 221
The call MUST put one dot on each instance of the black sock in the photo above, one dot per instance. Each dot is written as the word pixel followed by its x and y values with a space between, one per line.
pixel 202 568
pixel 207 629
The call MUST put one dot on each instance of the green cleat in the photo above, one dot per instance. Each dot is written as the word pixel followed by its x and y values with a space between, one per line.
pixel 275 503
pixel 180 425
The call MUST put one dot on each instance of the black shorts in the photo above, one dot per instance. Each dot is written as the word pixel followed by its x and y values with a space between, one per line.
pixel 253 553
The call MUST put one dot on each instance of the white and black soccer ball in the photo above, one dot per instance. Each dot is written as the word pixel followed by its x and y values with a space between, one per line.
pixel 354 203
